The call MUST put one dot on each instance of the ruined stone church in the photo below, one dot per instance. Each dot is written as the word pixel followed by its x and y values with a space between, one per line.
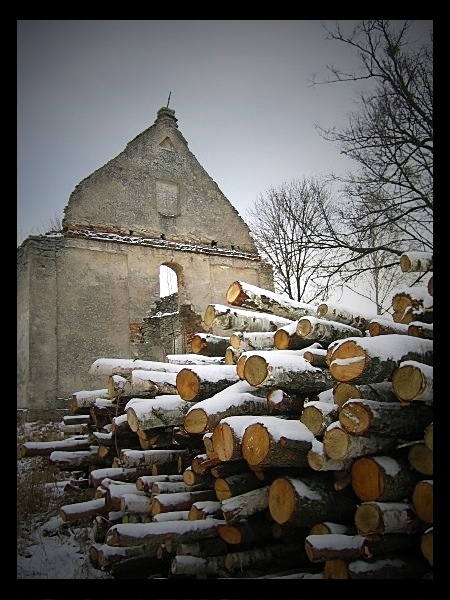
pixel 93 290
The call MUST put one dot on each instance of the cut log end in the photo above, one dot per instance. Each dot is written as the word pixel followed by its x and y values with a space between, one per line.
pixel 348 362
pixel 407 382
pixel 255 370
pixel 281 500
pixel 355 418
pixel 368 519
pixel 198 344
pixel 367 479
pixel 255 444
pixel 196 421
pixel 281 339
pixel 336 443
pixel 188 384
pixel 235 294
pixel 209 316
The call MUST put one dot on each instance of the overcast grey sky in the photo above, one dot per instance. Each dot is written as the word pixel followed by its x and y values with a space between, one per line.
pixel 241 91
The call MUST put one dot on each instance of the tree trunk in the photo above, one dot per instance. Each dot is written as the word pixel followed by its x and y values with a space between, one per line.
pixel 320 548
pixel 176 515
pixel 268 555
pixel 319 461
pixel 286 338
pixel 83 510
pixel 205 415
pixel 391 566
pixel 413 381
pixel 364 360
pixel 249 296
pixel 77 459
pixel 317 416
pixel 334 312
pixel 255 530
pixel 185 566
pixel 203 510
pixel 124 366
pixel 70 444
pixel 166 487
pixel 137 502
pixel 227 318
pixel 145 483
pixel 422 500
pixel 339 444
pixel 385 517
pixel 317 357
pixel 304 502
pixel 146 458
pixel 119 386
pixel 415 261
pixel 380 326
pixel 153 382
pixel 204 548
pixel 327 527
pixel 114 492
pixel 194 359
pixel 237 484
pixel 281 402
pixel 286 369
pixel 201 464
pixel 129 475
pixel 208 344
pixel 382 478
pixel 245 505
pixel 422 330
pixel 84 399
pixel 162 411
pixel 325 331
pixel 179 500
pixel 200 382
pixel 252 340
pixel 369 417
pixel 382 392
pixel 151 535
pixel 262 444
pixel 191 478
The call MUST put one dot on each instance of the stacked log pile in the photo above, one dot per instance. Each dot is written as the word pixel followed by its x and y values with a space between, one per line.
pixel 307 453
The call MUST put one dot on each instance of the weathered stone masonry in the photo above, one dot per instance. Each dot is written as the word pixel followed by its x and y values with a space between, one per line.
pixel 93 290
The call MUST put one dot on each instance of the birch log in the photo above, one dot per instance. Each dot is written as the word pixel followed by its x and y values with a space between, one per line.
pixel 209 344
pixel 146 458
pixel 317 416
pixel 227 437
pixel 252 340
pixel 252 297
pixel 336 312
pixel 245 505
pixel 373 518
pixel 382 392
pixel 324 330
pixel 415 261
pixel 227 318
pixel 124 366
pixel 161 411
pixel 70 444
pixel 286 369
pixel 413 381
pixel 340 445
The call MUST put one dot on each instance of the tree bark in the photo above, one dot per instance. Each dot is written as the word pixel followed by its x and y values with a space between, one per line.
pixel 324 330
pixel 185 566
pixel 145 483
pixel 228 468
pixel 263 446
pixel 286 369
pixel 162 411
pixel 83 510
pixel 249 296
pixel 316 356
pixel 239 507
pixel 204 415
pixel 227 318
pixel 304 502
pixel 151 535
pixel 174 501
pixel 335 312
pixel 426 545
pixel 146 458
pixel 369 417
pixel 137 502
pixel 382 478
pixel 281 402
pixel 413 381
pixel 70 444
pixel 268 555
pixel 422 330
pixel 84 399
pixel 422 500
pixel 255 530
pixel 77 459
pixel 327 527
pixel 391 566
pixel 194 359
pixel 200 382
pixel 252 340
pixel 191 478
pixel 380 326
pixel 129 475
pixel 203 510
pixel 213 546
pixel 153 382
pixel 415 261
pixel 237 484
pixel 364 360
pixel 208 344
pixel 124 366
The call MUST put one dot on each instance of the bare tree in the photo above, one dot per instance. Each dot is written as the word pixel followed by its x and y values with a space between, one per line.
pixel 387 204
pixel 284 223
